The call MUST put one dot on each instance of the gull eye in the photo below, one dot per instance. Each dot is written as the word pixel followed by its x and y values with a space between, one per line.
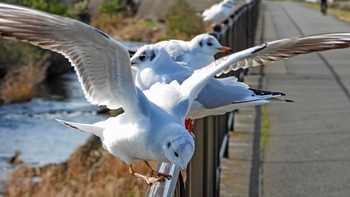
pixel 143 57
pixel 176 155
pixel 169 144
pixel 210 44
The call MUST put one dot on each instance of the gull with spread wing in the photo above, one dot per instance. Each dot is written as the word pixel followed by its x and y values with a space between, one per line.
pixel 151 127
pixel 220 95
pixel 196 53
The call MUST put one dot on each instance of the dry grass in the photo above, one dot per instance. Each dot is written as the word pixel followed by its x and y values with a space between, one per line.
pixel 182 21
pixel 20 84
pixel 129 28
pixel 108 23
pixel 341 14
pixel 90 171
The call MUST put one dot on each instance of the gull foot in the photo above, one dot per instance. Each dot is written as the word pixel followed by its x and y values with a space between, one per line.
pixel 159 174
pixel 151 180
pixel 189 125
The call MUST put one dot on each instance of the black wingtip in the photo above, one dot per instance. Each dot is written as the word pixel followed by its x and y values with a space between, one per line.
pixel 261 47
pixel 264 92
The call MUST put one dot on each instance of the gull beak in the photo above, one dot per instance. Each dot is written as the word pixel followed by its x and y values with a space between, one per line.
pixel 184 177
pixel 225 49
pixel 132 63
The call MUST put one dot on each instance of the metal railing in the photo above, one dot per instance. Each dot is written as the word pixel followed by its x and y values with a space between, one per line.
pixel 212 132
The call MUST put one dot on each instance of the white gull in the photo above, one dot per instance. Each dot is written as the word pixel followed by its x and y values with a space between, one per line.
pixel 218 13
pixel 196 53
pixel 220 95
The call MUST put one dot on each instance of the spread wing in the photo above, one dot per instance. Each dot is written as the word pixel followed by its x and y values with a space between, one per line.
pixel 191 87
pixel 102 64
pixel 286 48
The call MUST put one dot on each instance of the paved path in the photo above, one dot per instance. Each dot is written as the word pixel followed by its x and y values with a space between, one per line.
pixel 308 153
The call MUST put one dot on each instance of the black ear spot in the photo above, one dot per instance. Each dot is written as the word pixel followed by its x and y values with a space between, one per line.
pixel 176 155
pixel 200 44
pixel 153 55
pixel 169 144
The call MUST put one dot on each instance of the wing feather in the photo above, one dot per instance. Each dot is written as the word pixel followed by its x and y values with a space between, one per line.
pixel 191 87
pixel 102 64
pixel 286 48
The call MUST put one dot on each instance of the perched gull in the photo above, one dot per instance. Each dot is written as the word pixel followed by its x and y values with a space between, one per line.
pixel 196 53
pixel 151 127
pixel 149 72
pixel 218 13
pixel 153 64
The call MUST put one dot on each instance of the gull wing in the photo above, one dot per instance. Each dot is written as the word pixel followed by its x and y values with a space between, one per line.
pixel 101 63
pixel 286 48
pixel 191 87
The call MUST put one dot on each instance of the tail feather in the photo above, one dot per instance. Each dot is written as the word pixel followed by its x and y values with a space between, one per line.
pixel 98 131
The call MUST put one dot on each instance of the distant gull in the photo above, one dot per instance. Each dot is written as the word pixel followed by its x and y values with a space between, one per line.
pixel 218 13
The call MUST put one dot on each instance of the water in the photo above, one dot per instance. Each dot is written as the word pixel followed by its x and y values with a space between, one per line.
pixel 32 129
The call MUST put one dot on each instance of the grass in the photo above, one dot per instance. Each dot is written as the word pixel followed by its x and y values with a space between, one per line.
pixel 343 15
pixel 265 130
pixel 182 21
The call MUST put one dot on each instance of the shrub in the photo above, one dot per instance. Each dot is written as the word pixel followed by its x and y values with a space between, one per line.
pixel 182 21
pixel 19 84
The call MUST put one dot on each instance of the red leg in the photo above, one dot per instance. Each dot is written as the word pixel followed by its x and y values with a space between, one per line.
pixel 189 125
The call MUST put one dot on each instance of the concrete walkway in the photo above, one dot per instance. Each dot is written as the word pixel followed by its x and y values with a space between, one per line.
pixel 308 149
pixel 308 152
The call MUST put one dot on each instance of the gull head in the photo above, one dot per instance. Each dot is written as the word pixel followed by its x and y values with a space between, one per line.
pixel 147 56
pixel 208 44
pixel 179 150
pixel 229 2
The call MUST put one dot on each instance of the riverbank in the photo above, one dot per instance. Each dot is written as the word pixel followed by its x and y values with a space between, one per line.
pixel 90 171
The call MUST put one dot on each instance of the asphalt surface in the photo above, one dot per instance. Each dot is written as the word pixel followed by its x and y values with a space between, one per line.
pixel 308 152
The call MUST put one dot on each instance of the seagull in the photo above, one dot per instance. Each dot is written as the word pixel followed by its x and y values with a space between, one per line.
pixel 149 72
pixel 151 127
pixel 195 54
pixel 154 65
pixel 218 13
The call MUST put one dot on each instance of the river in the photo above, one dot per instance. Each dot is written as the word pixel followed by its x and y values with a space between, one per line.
pixel 32 129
